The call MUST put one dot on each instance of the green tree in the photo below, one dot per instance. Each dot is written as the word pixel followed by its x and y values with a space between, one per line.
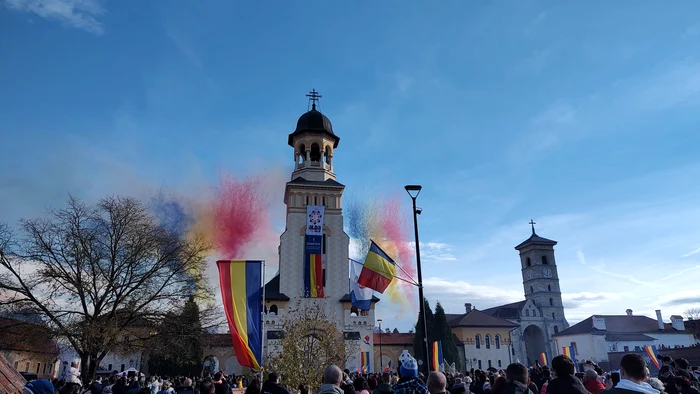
pixel 418 336
pixel 177 348
pixel 443 333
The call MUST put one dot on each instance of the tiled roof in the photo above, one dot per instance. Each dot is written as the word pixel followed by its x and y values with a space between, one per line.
pixel 617 324
pixel 328 182
pixel 627 337
pixel 507 311
pixel 536 239
pixel 10 380
pixel 346 298
pixel 272 290
pixel 477 318
pixel 404 339
pixel 22 336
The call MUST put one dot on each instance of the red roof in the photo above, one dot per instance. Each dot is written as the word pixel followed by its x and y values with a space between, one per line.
pixel 26 337
pixel 11 381
pixel 394 339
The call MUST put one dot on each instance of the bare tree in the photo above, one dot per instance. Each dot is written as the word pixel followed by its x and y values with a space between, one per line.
pixel 90 272
pixel 692 313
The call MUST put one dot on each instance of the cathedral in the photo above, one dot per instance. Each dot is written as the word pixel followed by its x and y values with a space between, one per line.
pixel 541 315
pixel 314 248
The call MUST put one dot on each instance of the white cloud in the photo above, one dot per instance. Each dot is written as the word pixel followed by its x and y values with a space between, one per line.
pixel 454 294
pixel 79 14
pixel 696 251
pixel 435 251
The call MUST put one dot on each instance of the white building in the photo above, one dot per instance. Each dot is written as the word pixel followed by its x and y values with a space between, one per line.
pixel 313 183
pixel 598 335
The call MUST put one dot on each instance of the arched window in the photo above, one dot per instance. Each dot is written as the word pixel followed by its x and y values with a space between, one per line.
pixel 549 287
pixel 307 200
pixel 315 152
pixel 273 310
pixel 544 259
pixel 498 342
pixel 529 263
pixel 302 152
pixel 527 312
pixel 353 311
pixel 477 341
pixel 488 341
pixel 551 302
pixel 532 289
pixel 328 155
pixel 553 316
pixel 556 330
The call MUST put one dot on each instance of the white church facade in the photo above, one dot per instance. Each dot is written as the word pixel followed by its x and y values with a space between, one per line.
pixel 313 185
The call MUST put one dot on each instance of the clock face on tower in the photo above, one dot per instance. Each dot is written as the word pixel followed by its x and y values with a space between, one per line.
pixel 528 275
pixel 547 272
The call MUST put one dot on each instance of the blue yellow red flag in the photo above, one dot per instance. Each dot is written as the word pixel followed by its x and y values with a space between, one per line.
pixel 364 359
pixel 436 356
pixel 543 358
pixel 651 352
pixel 378 270
pixel 241 291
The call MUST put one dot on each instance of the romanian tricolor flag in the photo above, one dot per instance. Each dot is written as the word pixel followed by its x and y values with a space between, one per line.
pixel 364 360
pixel 313 267
pixel 570 352
pixel 651 352
pixel 378 271
pixel 241 290
pixel 436 356
pixel 543 359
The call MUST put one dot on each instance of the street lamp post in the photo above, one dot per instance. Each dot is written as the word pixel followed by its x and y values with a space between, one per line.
pixel 381 358
pixel 414 191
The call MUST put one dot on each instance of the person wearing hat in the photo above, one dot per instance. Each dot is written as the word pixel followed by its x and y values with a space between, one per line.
pixel 409 382
pixel 39 386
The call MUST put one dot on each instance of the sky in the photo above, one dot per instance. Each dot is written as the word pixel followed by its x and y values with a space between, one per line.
pixel 581 115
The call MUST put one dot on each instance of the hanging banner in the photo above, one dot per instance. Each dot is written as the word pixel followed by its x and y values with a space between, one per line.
pixel 313 263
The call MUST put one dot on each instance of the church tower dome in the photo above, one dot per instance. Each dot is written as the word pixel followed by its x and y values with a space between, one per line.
pixel 314 142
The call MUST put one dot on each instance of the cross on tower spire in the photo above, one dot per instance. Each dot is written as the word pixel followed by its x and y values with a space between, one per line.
pixel 532 223
pixel 314 97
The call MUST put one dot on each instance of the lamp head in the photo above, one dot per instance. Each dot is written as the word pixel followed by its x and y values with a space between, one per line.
pixel 413 190
pixel 419 210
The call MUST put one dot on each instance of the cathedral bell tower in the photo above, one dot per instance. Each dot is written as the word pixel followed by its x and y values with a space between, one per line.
pixel 313 184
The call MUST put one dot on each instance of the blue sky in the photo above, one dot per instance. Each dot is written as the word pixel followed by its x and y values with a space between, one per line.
pixel 582 115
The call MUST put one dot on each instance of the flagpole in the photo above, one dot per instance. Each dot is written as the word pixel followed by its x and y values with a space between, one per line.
pixel 262 323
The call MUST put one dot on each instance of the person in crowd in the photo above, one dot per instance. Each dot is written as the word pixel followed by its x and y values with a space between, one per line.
pixel 409 383
pixel 221 386
pixel 121 387
pixel 332 380
pixel 107 388
pixel 253 387
pixel 186 387
pixel 207 386
pixel 272 385
pixel 657 384
pixel 683 370
pixel 499 385
pixel 546 378
pixel 459 387
pixel 684 386
pixel 437 383
pixel 39 386
pixel 361 385
pixel 477 386
pixel 632 375
pixel 564 382
pixel 166 388
pixel 592 383
pixel 384 386
pixel 516 379
pixel 96 386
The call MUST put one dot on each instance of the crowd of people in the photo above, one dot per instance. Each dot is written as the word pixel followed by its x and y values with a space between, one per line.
pixel 675 377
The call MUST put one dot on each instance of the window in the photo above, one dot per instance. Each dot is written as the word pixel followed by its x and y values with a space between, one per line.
pixel 477 341
pixel 549 287
pixel 553 317
pixel 544 259
pixel 499 364
pixel 38 368
pixel 556 330
pixel 637 349
pixel 488 344
pixel 527 312
pixel 323 244
pixel 479 364
pixel 353 311
pixel 323 199
pixel 529 263
pixel 489 363
pixel 16 364
pixel 26 367
pixel 532 289
pixel 315 152
pixel 109 367
pixel 627 348
pixel 498 344
pixel 307 200
pixel 324 277
pixel 273 310
pixel 551 302
pixel 122 370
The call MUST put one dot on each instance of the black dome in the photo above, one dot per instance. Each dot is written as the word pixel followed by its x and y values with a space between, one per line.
pixel 314 121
